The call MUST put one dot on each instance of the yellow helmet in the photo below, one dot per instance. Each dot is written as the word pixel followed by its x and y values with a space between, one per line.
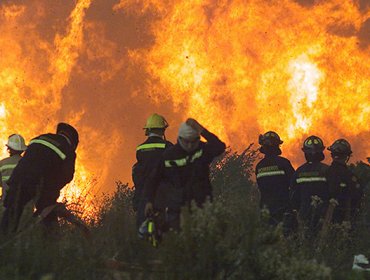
pixel 156 121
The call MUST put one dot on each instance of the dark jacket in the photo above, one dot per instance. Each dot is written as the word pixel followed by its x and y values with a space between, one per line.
pixel 46 167
pixel 310 180
pixel 148 155
pixel 345 188
pixel 7 166
pixel 185 174
pixel 274 175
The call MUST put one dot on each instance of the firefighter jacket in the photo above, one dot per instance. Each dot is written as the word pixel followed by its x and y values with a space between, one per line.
pixel 46 167
pixel 309 181
pixel 345 188
pixel 186 175
pixel 148 155
pixel 6 169
pixel 274 175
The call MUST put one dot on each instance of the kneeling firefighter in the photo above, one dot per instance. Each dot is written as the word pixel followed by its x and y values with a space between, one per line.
pixel 185 169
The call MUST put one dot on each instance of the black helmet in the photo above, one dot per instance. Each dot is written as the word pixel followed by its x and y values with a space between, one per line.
pixel 69 131
pixel 270 138
pixel 313 145
pixel 340 147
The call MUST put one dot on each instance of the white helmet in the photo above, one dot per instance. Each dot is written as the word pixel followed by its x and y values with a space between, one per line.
pixel 16 142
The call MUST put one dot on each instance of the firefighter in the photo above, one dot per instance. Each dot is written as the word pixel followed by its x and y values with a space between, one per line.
pixel 15 146
pixel 148 155
pixel 185 168
pixel 274 174
pixel 310 192
pixel 46 167
pixel 344 186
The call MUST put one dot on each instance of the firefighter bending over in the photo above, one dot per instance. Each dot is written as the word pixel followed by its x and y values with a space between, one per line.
pixel 273 174
pixel 184 168
pixel 47 166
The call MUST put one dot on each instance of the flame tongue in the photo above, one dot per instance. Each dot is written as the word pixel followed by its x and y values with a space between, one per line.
pixel 239 67
pixel 263 65
pixel 37 99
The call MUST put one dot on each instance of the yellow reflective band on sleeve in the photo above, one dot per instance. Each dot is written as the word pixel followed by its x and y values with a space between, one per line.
pixel 196 155
pixel 183 161
pixel 310 179
pixel 175 162
pixel 151 146
pixel 343 185
pixel 7 166
pixel 5 178
pixel 50 146
pixel 270 173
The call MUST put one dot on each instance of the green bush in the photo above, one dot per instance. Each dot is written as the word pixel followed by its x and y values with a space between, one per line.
pixel 226 239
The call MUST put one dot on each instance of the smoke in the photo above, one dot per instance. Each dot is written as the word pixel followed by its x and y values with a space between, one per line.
pixel 99 66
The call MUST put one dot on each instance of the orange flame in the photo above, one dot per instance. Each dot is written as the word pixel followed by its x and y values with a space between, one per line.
pixel 240 67
pixel 25 95
pixel 245 68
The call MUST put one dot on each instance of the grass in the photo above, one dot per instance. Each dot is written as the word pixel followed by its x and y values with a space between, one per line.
pixel 227 239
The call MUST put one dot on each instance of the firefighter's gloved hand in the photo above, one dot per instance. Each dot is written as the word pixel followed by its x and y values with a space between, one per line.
pixel 148 209
pixel 194 124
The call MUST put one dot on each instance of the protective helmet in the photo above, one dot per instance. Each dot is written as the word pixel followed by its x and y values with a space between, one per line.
pixel 16 142
pixel 340 147
pixel 313 145
pixel 270 138
pixel 69 131
pixel 156 121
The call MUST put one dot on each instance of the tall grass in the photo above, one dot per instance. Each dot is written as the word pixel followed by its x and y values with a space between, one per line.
pixel 226 239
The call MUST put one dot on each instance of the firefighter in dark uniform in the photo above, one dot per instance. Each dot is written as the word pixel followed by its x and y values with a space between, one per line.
pixel 16 146
pixel 310 192
pixel 47 166
pixel 274 174
pixel 185 168
pixel 343 184
pixel 148 154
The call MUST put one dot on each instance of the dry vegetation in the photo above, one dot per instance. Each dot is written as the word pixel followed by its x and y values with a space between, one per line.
pixel 228 239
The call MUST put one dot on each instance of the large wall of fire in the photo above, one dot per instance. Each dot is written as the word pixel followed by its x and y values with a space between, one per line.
pixel 239 67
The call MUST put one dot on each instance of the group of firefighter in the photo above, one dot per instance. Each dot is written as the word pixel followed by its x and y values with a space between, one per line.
pixel 315 194
pixel 47 165
pixel 169 176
